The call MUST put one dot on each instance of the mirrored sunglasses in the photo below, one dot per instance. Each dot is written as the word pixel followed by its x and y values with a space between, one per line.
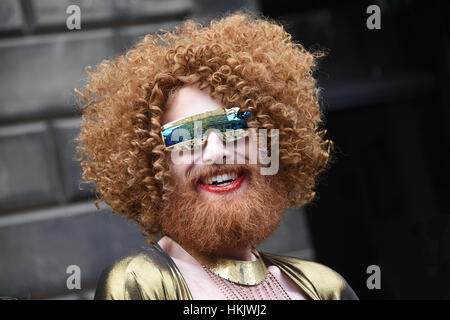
pixel 189 133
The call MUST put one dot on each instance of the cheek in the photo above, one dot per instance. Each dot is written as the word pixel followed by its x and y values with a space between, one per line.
pixel 179 165
pixel 181 158
pixel 178 173
pixel 246 151
pixel 248 147
pixel 251 148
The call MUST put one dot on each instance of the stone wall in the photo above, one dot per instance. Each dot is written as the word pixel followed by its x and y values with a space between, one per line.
pixel 47 222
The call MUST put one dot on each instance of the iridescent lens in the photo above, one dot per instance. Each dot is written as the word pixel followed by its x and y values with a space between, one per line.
pixel 185 133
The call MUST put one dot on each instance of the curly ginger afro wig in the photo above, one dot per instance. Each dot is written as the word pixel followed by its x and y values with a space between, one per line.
pixel 243 60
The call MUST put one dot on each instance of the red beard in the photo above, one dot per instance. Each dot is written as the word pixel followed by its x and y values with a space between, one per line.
pixel 226 222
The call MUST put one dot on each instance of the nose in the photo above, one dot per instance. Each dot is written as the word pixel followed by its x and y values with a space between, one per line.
pixel 214 150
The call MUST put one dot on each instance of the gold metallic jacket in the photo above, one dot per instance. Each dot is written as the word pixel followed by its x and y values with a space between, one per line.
pixel 152 275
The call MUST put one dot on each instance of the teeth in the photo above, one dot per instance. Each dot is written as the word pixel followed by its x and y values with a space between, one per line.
pixel 220 178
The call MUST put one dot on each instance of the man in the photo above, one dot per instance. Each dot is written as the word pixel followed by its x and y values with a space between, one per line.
pixel 204 136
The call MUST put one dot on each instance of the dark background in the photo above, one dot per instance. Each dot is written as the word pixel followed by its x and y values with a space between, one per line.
pixel 384 201
pixel 385 97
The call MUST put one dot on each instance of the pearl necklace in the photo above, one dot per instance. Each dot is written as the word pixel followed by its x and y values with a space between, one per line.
pixel 269 289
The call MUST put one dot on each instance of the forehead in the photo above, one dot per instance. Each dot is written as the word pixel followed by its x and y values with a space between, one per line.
pixel 188 101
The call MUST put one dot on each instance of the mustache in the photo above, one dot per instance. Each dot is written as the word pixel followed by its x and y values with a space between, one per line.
pixel 205 172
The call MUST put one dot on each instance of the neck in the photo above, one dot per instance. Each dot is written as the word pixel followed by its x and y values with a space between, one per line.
pixel 242 254
pixel 172 248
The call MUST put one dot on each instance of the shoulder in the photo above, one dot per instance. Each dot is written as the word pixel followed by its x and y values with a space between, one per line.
pixel 318 280
pixel 137 276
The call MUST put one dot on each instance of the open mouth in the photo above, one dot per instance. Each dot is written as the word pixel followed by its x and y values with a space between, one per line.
pixel 222 182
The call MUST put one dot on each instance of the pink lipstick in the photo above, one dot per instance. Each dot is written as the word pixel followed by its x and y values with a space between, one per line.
pixel 235 185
